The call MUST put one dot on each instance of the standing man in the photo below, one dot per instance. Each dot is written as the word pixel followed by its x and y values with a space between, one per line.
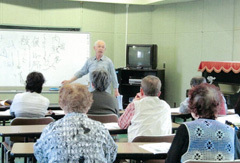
pixel 98 62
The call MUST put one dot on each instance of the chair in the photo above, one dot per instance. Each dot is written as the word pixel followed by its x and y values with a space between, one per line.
pixel 104 118
pixel 164 138
pixel 29 121
pixel 24 121
pixel 210 161
pixel 157 139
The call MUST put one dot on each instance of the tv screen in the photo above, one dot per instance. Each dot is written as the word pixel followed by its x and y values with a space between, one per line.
pixel 141 56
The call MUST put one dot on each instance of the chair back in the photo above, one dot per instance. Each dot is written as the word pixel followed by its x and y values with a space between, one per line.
pixel 104 118
pixel 164 138
pixel 29 121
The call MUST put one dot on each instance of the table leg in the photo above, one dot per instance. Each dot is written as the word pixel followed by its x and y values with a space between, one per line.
pixel 2 146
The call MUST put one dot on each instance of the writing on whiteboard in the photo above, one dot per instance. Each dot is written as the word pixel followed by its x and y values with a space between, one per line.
pixel 58 55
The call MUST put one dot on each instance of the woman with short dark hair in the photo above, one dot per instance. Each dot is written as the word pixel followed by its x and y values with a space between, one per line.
pixel 34 82
pixel 31 103
pixel 204 138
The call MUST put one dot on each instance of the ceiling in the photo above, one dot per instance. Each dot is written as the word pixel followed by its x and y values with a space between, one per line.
pixel 136 2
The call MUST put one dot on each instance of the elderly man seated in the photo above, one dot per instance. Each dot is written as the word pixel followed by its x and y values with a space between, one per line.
pixel 147 115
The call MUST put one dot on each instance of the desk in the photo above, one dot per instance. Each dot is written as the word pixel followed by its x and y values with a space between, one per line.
pixel 125 151
pixel 114 128
pixel 5 115
pixel 231 111
pixel 22 130
pixel 175 126
pixel 36 130
pixel 50 107
pixel 25 131
pixel 175 113
pixel 133 151
pixel 56 114
pixel 4 108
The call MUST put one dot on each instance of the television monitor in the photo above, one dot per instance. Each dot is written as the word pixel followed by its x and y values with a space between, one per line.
pixel 141 56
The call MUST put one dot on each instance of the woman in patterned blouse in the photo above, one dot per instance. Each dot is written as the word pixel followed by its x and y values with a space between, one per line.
pixel 75 138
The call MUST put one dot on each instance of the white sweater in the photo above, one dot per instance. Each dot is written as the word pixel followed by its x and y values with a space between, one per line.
pixel 29 104
pixel 152 117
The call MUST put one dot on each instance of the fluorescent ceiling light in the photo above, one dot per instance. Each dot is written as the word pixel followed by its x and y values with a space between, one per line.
pixel 136 2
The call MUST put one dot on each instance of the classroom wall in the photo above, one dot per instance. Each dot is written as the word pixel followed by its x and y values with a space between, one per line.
pixel 95 18
pixel 186 33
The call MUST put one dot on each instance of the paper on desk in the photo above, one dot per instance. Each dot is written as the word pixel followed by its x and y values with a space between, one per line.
pixel 58 112
pixel 156 147
pixel 234 118
pixel 6 112
pixel 119 99
pixel 4 103
pixel 175 110
pixel 231 111
pixel 112 125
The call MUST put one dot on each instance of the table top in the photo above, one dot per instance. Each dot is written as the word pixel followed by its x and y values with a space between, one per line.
pixel 50 107
pixel 24 130
pixel 175 125
pixel 29 130
pixel 125 151
pixel 22 149
pixel 4 108
pixel 27 148
pixel 57 114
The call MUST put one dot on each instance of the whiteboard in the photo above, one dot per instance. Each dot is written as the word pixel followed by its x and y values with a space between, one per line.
pixel 57 55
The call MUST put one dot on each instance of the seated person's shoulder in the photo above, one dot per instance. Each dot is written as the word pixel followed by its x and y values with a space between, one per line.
pixel 184 106
pixel 165 104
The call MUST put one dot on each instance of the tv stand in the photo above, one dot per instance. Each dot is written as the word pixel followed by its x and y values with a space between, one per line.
pixel 138 68
pixel 130 80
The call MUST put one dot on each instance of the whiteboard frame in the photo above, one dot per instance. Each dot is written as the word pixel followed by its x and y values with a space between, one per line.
pixel 50 32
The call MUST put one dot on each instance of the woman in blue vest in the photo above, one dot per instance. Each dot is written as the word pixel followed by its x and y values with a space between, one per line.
pixel 204 138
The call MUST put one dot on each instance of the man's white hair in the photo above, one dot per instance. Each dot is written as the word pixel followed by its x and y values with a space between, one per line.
pixel 95 44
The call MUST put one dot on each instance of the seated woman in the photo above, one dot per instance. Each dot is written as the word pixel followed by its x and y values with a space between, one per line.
pixel 75 137
pixel 193 83
pixel 31 103
pixel 204 138
pixel 103 102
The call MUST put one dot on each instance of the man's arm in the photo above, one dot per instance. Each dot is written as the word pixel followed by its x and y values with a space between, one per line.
pixel 114 78
pixel 125 119
pixel 69 81
pixel 78 74
pixel 116 93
